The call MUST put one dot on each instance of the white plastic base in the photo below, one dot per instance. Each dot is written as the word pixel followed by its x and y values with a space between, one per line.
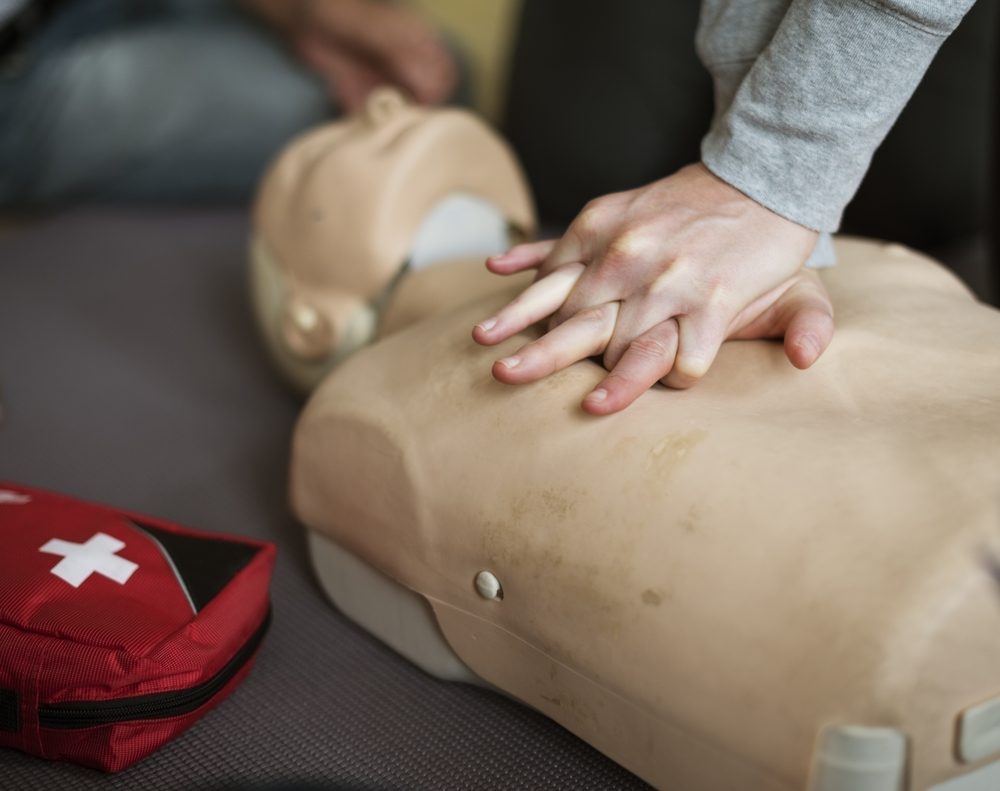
pixel 394 614
pixel 985 778
pixel 859 758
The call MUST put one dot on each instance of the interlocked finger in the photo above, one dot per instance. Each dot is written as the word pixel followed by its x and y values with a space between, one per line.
pixel 536 302
pixel 701 336
pixel 800 312
pixel 523 256
pixel 637 316
pixel 810 328
pixel 584 335
pixel 649 358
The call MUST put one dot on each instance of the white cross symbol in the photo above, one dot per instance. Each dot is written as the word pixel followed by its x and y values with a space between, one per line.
pixel 96 555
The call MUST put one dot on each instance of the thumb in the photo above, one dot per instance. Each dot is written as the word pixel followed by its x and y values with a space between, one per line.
pixel 801 313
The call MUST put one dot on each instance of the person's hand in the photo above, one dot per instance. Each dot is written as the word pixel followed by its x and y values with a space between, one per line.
pixel 799 311
pixel 656 279
pixel 358 45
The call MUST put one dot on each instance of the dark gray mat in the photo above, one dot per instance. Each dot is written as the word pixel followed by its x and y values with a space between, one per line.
pixel 130 374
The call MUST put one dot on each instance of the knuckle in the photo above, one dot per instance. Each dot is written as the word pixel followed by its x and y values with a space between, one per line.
pixel 689 371
pixel 714 289
pixel 591 217
pixel 678 275
pixel 683 265
pixel 595 314
pixel 613 263
pixel 649 348
pixel 663 283
pixel 628 244
pixel 616 259
pixel 717 294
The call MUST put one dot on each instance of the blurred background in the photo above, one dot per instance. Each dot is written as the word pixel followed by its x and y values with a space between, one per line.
pixel 184 102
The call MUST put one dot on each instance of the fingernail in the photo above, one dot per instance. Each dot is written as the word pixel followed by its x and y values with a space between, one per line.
pixel 597 395
pixel 510 362
pixel 487 325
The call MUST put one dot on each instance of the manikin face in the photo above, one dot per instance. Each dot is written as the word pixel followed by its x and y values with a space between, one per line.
pixel 348 207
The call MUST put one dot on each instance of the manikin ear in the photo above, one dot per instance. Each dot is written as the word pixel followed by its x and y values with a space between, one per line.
pixel 306 331
pixel 326 328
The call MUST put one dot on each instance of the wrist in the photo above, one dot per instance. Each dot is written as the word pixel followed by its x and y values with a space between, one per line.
pixel 748 196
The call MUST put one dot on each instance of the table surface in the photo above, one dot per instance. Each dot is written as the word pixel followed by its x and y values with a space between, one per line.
pixel 130 374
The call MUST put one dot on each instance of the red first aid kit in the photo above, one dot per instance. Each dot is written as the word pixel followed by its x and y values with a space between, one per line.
pixel 118 631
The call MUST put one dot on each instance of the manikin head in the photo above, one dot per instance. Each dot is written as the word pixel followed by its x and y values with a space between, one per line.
pixel 348 207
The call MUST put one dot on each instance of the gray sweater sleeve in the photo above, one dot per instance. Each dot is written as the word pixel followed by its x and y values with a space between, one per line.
pixel 800 130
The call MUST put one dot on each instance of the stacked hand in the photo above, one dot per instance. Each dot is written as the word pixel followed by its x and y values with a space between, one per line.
pixel 358 45
pixel 655 280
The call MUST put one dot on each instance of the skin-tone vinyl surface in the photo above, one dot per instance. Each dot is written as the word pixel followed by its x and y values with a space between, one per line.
pixel 337 213
pixel 700 584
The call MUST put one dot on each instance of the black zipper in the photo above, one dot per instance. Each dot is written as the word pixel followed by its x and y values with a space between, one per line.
pixel 89 713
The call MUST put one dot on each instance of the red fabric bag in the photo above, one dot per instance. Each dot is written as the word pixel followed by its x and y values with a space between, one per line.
pixel 118 631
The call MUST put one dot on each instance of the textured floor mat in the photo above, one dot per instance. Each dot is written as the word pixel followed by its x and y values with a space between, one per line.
pixel 130 374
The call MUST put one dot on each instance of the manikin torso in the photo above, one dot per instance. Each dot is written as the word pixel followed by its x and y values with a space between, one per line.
pixel 776 578
pixel 810 545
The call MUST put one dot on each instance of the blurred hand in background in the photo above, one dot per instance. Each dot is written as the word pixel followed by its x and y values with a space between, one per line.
pixel 188 100
pixel 357 45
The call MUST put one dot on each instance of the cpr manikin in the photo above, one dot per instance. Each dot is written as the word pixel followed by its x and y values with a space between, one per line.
pixel 779 579
pixel 349 207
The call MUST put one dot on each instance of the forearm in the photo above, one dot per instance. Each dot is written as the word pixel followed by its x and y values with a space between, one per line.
pixel 800 131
